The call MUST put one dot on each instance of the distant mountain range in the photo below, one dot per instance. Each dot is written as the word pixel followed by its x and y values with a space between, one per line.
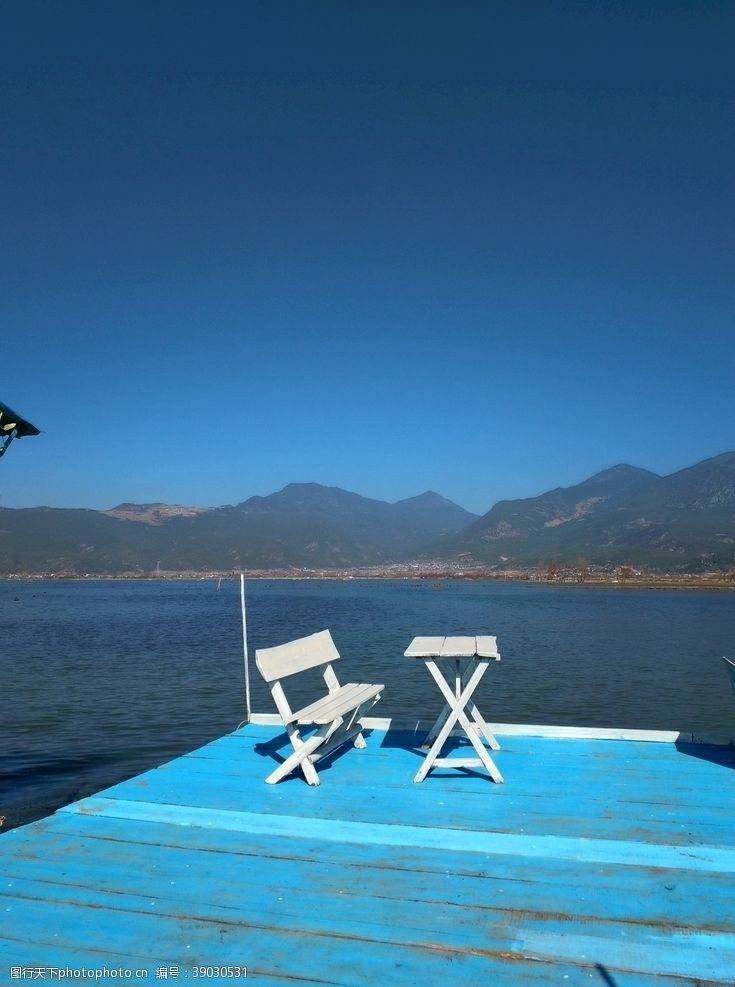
pixel 624 515
pixel 303 525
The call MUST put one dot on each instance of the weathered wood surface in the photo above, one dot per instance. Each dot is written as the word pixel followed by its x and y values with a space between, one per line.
pixel 383 723
pixel 343 700
pixel 458 647
pixel 622 874
pixel 424 647
pixel 296 656
pixel 484 646
pixel 487 647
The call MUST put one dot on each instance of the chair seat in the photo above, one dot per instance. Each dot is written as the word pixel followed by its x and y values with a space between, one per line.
pixel 343 700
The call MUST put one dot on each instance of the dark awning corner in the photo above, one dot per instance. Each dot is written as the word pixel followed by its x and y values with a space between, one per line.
pixel 13 426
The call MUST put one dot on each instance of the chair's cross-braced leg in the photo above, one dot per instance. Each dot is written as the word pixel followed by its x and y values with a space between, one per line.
pixel 300 756
pixel 328 737
pixel 359 740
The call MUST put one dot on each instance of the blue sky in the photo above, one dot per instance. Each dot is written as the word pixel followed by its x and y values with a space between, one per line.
pixel 479 248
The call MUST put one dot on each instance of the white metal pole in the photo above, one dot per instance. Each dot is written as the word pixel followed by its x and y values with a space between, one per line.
pixel 245 646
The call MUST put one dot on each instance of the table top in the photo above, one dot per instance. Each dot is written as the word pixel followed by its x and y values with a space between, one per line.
pixel 483 646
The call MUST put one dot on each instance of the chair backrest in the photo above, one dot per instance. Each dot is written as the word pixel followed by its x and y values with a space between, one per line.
pixel 730 670
pixel 296 656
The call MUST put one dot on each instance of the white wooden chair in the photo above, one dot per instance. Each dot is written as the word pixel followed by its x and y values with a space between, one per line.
pixel 336 715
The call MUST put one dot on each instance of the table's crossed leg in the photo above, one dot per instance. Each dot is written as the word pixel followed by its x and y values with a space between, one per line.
pixel 455 713
pixel 479 723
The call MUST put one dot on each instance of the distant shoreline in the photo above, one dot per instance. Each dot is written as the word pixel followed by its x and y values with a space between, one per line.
pixel 709 581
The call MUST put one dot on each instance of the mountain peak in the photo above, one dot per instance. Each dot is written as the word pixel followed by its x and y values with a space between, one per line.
pixel 309 485
pixel 436 513
pixel 427 497
pixel 622 472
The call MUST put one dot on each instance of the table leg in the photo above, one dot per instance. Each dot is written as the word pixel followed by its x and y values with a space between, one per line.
pixel 443 716
pixel 456 704
pixel 482 753
pixel 484 728
pixel 474 713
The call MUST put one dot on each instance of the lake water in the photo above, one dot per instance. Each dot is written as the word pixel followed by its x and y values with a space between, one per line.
pixel 102 680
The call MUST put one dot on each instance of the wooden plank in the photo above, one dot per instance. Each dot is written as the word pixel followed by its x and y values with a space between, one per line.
pixel 296 656
pixel 466 805
pixel 177 853
pixel 132 887
pixel 593 788
pixel 686 954
pixel 623 807
pixel 561 886
pixel 638 853
pixel 592 775
pixel 487 647
pixel 653 823
pixel 639 763
pixel 347 698
pixel 458 647
pixel 560 732
pixel 286 956
pixel 284 970
pixel 324 705
pixel 588 733
pixel 296 959
pixel 586 805
pixel 373 918
pixel 457 762
pixel 269 946
pixel 424 647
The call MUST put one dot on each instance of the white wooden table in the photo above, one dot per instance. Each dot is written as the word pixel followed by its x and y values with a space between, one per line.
pixel 471 657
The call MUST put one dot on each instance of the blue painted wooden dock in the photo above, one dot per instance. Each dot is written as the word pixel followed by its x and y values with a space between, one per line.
pixel 602 862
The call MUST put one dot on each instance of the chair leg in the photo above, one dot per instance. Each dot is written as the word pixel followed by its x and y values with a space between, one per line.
pixel 327 738
pixel 300 757
pixel 363 708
